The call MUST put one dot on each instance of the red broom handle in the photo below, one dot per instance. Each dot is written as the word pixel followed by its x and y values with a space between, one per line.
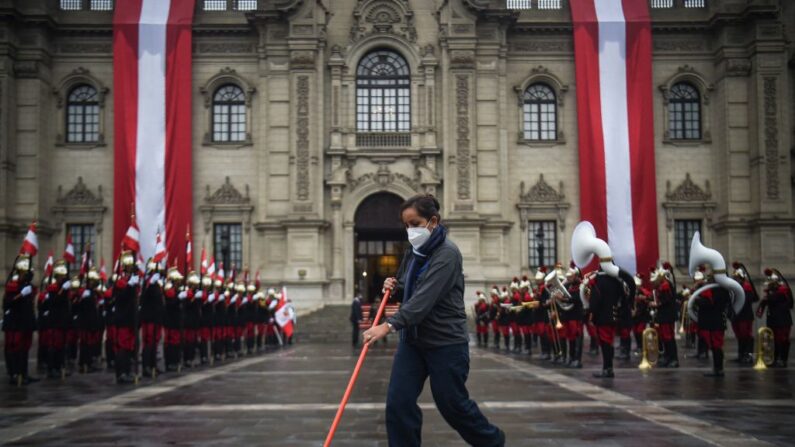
pixel 355 374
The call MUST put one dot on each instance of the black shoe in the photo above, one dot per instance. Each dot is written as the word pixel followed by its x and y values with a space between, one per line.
pixel 604 374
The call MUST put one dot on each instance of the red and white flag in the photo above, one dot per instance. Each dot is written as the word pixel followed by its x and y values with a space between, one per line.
pixel 211 269
pixel 69 250
pixel 160 249
pixel 152 69
pixel 220 271
pixel 284 314
pixel 188 252
pixel 85 262
pixel 203 262
pixel 103 272
pixel 30 245
pixel 613 52
pixel 131 239
pixel 48 266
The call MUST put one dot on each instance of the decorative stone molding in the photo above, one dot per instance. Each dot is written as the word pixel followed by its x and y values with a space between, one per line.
pixel 688 201
pixel 738 67
pixel 541 192
pixel 378 17
pixel 686 73
pixel 771 137
pixel 226 76
pixel 78 76
pixel 382 177
pixel 541 202
pixel 79 205
pixel 226 204
pixel 302 138
pixel 463 154
pixel 302 60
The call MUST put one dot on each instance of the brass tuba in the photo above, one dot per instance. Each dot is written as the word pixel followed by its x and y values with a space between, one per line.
pixel 557 291
pixel 585 244
pixel 764 348
pixel 651 349
pixel 699 254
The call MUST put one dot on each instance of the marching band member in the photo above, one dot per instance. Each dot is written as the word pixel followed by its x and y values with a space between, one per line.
pixel 89 322
pixel 526 314
pixel 778 303
pixel 504 317
pixel 542 322
pixel 702 350
pixel 665 311
pixel 482 319
pixel 60 319
pixel 743 322
pixel 207 297
pixel 640 313
pixel 515 300
pixel 249 316
pixel 572 318
pixel 174 293
pixel 494 314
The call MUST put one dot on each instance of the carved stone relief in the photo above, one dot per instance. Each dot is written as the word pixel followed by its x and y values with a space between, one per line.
pixel 462 137
pixel 688 191
pixel 372 17
pixel 302 138
pixel 541 192
pixel 771 137
pixel 226 194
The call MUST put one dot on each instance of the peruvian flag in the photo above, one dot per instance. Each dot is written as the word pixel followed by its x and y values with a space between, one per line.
pixel 85 262
pixel 160 249
pixel 30 245
pixel 284 314
pixel 103 272
pixel 203 262
pixel 69 250
pixel 612 53
pixel 152 67
pixel 221 271
pixel 48 266
pixel 211 269
pixel 131 239
pixel 188 252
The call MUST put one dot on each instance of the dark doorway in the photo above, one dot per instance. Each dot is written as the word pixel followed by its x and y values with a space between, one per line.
pixel 379 243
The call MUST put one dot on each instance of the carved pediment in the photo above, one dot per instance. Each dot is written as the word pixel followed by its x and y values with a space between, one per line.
pixel 226 194
pixel 541 192
pixel 79 195
pixel 383 17
pixel 383 177
pixel 688 191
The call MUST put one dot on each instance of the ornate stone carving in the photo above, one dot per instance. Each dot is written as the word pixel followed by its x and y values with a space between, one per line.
pixel 384 177
pixel 79 195
pixel 224 47
pixel 428 50
pixel 84 47
pixel 462 59
pixel 26 69
pixel 738 67
pixel 541 192
pixel 383 17
pixel 226 194
pixel 679 45
pixel 302 59
pixel 543 46
pixel 688 191
pixel 302 138
pixel 303 30
pixel 462 133
pixel 771 137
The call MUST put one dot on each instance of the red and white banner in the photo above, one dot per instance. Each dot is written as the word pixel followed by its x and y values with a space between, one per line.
pixel 152 65
pixel 30 245
pixel 285 314
pixel 69 250
pixel 613 62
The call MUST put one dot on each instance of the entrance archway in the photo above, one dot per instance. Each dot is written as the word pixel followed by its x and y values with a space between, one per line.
pixel 379 242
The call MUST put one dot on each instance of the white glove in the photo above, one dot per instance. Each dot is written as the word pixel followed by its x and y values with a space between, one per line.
pixel 199 294
pixel 154 278
pixel 27 290
pixel 134 279
pixel 182 295
pixel 211 298
pixel 234 299
pixel 86 293
pixel 66 285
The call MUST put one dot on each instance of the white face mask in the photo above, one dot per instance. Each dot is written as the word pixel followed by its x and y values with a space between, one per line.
pixel 418 236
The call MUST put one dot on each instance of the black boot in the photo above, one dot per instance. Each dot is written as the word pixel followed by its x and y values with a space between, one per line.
pixel 26 378
pixel 702 351
pixel 594 349
pixel 572 352
pixel 480 339
pixel 204 359
pixel 517 342
pixel 507 342
pixel 12 369
pixel 717 364
pixel 528 344
pixel 544 342
pixel 623 351
pixel 496 340
pixel 561 356
pixel 607 362
pixel 673 355
pixel 638 343
pixel 576 358
pixel 146 358
pixel 784 354
pixel 486 340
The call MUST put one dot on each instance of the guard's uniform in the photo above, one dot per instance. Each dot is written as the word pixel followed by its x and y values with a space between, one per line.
pixel 191 326
pixel 665 317
pixel 542 323
pixel 525 319
pixel 778 302
pixel 125 318
pixel 206 320
pixel 494 314
pixel 504 318
pixel 712 307
pixel 107 309
pixel 219 323
pixel 59 322
pixel 606 294
pixel 641 315
pixel 172 322
pixel 482 320
pixel 89 327
pixel 743 324
pixel 152 310
pixel 19 323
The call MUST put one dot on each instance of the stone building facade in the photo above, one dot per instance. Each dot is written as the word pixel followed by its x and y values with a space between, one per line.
pixel 306 181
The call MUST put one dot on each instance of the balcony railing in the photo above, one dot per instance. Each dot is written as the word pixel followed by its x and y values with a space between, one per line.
pixel 559 4
pixel 383 139
pixel 86 5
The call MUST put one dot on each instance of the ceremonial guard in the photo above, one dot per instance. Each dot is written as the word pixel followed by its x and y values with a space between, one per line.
pixel 152 310
pixel 89 322
pixel 72 333
pixel 191 317
pixel 778 303
pixel 526 314
pixel 702 350
pixel 641 315
pixel 219 317
pixel 494 315
pixel 125 317
pixel 505 317
pixel 482 319
pixel 516 301
pixel 665 312
pixel 743 322
pixel 106 306
pixel 572 315
pixel 231 318
pixel 19 320
pixel 249 317
pixel 60 319
pixel 261 309
pixel 207 296
pixel 175 293
pixel 43 323
pixel 543 327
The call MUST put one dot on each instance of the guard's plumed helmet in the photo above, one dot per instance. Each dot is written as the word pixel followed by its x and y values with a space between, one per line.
pixel 193 279
pixel 23 263
pixel 127 258
pixel 60 270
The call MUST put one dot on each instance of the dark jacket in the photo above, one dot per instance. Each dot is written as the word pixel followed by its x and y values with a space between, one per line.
pixel 606 293
pixel 125 304
pixel 779 306
pixel 712 308
pixel 436 309
pixel 356 312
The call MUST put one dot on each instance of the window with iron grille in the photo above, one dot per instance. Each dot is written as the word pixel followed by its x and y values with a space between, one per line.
pixel 228 245
pixel 383 93
pixel 102 5
pixel 229 114
pixel 542 241
pixel 214 5
pixel 540 113
pixel 71 5
pixel 245 5
pixel 684 112
pixel 83 237
pixel 683 234
pixel 82 115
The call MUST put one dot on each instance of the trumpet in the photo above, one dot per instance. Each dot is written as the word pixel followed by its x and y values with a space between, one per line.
pixel 525 305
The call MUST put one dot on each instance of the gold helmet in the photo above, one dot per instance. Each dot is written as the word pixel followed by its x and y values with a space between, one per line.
pixel 93 274
pixel 23 263
pixel 193 279
pixel 152 266
pixel 174 275
pixel 251 288
pixel 240 287
pixel 207 281
pixel 60 270
pixel 75 282
pixel 126 258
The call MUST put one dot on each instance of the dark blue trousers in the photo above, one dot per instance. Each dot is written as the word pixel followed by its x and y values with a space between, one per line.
pixel 448 368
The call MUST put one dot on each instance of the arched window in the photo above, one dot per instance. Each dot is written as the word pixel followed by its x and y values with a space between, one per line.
pixel 229 114
pixel 383 95
pixel 540 111
pixel 684 112
pixel 82 115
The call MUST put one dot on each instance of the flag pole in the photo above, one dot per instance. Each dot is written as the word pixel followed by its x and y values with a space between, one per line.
pixel 355 374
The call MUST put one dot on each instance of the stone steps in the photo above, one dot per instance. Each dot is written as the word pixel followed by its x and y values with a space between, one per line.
pixel 326 325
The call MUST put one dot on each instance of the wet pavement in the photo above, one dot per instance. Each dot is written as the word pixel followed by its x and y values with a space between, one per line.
pixel 289 397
